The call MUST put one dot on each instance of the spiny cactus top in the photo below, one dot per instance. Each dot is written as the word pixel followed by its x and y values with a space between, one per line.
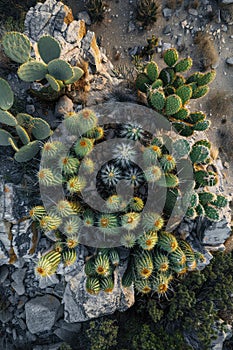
pixel 157 255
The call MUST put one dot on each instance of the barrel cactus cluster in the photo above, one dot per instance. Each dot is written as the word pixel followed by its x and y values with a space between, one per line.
pixel 169 91
pixel 156 256
pixel 57 72
pixel 23 132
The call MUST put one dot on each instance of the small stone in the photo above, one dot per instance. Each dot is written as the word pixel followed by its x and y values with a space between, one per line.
pixel 193 12
pixel 131 27
pixel 5 316
pixel 224 28
pixel 229 61
pixel 209 8
pixel 30 109
pixel 183 24
pixel 227 2
pixel 167 12
pixel 41 313
pixel 166 46
pixel 63 106
pixel 3 273
pixel 83 15
pixel 167 29
pixel 18 277
pixel 226 165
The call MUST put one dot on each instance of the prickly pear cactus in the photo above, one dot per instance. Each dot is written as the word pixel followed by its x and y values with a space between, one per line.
pixel 169 92
pixel 58 72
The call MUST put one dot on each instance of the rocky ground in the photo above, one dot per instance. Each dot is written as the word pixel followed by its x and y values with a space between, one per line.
pixel 37 313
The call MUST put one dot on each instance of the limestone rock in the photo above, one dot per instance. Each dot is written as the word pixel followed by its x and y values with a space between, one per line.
pixel 92 51
pixel 75 32
pixel 81 306
pixel 45 18
pixel 214 233
pixel 41 313
pixel 18 277
pixel 227 2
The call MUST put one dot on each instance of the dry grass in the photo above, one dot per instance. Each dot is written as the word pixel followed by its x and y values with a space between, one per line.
pixel 206 50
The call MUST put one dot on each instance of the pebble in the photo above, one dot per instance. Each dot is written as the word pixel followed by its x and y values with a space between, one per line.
pixel 193 12
pixel 30 109
pixel 3 273
pixel 229 61
pixel 167 12
pixel 131 27
pixel 167 29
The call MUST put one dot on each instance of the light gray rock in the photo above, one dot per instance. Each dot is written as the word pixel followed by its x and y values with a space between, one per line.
pixel 167 29
pixel 44 19
pixel 227 2
pixel 3 273
pixel 166 46
pixel 216 233
pixel 85 17
pixel 193 12
pixel 91 50
pixel 30 109
pixel 131 27
pixel 229 61
pixel 73 32
pixel 81 306
pixel 41 313
pixel 167 12
pixel 18 277
pixel 63 106
pixel 5 316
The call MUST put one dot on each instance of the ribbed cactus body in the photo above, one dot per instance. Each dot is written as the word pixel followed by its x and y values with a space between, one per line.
pixel 148 240
pixel 93 285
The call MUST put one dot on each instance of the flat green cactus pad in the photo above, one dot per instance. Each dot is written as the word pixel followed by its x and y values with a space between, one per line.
pixel 78 73
pixel 32 71
pixel 6 95
pixel 27 152
pixel 4 138
pixel 60 70
pixel 17 46
pixel 40 129
pixel 7 118
pixel 53 82
pixel 48 48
